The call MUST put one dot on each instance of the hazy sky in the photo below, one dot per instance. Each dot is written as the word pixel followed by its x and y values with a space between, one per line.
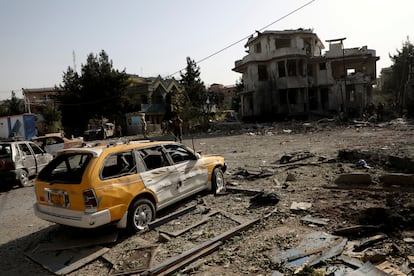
pixel 151 38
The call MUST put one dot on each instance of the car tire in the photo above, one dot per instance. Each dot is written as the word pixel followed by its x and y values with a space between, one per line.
pixel 218 183
pixel 23 178
pixel 140 214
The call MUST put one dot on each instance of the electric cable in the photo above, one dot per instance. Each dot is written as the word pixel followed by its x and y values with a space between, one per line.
pixel 246 37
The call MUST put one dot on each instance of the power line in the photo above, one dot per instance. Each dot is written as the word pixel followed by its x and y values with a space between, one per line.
pixel 248 36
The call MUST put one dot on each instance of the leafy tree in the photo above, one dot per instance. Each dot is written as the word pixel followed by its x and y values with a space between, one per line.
pixel 14 106
pixel 99 91
pixel 193 86
pixel 3 109
pixel 190 104
pixel 235 103
pixel 52 117
pixel 400 69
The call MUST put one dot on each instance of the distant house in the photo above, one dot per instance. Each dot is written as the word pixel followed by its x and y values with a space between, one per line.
pixel 222 95
pixel 153 97
pixel 285 74
pixel 36 98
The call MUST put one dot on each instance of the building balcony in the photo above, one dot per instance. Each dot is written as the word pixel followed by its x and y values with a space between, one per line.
pixel 267 56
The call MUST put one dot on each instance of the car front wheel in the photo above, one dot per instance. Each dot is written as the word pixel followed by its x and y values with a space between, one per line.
pixel 140 214
pixel 218 182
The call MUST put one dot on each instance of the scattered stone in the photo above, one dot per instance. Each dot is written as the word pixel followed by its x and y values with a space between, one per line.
pixel 300 206
pixel 290 177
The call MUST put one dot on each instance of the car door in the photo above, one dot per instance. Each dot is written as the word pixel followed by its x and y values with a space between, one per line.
pixel 27 159
pixel 193 173
pixel 159 175
pixel 53 145
pixel 41 158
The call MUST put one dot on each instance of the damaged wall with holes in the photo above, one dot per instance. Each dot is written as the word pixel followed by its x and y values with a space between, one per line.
pixel 285 74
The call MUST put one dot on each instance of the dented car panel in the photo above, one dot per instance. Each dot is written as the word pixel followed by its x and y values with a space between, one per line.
pixel 90 187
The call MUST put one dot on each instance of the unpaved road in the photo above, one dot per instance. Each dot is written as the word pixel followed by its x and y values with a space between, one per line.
pixel 253 148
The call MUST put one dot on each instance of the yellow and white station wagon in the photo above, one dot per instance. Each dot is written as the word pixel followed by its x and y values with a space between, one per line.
pixel 124 183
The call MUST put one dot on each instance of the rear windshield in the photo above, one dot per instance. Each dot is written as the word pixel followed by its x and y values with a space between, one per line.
pixel 67 168
pixel 5 150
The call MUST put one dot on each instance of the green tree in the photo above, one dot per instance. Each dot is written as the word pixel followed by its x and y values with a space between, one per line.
pixel 235 103
pixel 193 86
pixel 190 104
pixel 99 91
pixel 400 70
pixel 52 117
pixel 15 105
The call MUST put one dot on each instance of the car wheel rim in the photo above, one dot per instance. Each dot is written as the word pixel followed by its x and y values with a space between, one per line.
pixel 219 182
pixel 143 215
pixel 24 179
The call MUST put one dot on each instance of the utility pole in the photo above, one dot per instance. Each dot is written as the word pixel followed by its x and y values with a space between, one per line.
pixel 74 60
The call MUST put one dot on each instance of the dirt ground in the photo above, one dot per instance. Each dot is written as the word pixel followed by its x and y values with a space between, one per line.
pixel 323 150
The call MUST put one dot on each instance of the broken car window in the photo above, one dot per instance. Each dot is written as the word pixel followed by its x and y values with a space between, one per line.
pixel 119 164
pixel 179 154
pixel 153 158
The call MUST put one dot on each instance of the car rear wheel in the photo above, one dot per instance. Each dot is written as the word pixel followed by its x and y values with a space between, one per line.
pixel 140 214
pixel 218 182
pixel 23 178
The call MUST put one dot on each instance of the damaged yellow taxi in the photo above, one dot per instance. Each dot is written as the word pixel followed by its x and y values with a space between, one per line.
pixel 125 184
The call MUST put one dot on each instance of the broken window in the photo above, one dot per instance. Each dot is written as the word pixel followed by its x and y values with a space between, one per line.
pixel 291 67
pixel 310 70
pixel 325 98
pixel 281 68
pixel 179 154
pixel 258 48
pixel 283 96
pixel 262 72
pixel 301 68
pixel 118 164
pixel 282 43
pixel 293 95
pixel 350 71
pixel 154 158
pixel 322 66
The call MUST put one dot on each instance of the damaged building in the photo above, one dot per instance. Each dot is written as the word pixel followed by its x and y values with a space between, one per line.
pixel 285 75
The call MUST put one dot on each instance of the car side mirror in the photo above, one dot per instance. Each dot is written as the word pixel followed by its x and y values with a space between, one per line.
pixel 197 155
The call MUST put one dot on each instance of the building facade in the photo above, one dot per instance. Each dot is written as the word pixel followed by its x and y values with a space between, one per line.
pixel 285 74
pixel 153 96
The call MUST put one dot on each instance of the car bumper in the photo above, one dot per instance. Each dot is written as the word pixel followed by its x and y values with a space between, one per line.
pixel 8 177
pixel 72 218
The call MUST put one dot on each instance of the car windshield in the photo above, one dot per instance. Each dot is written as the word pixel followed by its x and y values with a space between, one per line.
pixel 66 168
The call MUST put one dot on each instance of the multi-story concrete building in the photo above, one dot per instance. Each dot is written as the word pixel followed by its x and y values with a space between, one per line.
pixel 286 74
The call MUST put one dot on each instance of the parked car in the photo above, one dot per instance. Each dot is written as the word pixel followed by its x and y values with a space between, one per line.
pixel 53 142
pixel 103 131
pixel 20 160
pixel 125 184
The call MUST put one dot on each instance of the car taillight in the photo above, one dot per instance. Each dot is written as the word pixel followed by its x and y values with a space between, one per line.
pixel 7 165
pixel 89 198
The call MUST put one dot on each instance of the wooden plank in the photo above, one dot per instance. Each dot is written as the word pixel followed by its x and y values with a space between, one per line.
pixel 182 231
pixel 66 261
pixel 206 251
pixel 368 242
pixel 170 217
pixel 222 237
pixel 72 243
pixel 242 191
pixel 356 229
